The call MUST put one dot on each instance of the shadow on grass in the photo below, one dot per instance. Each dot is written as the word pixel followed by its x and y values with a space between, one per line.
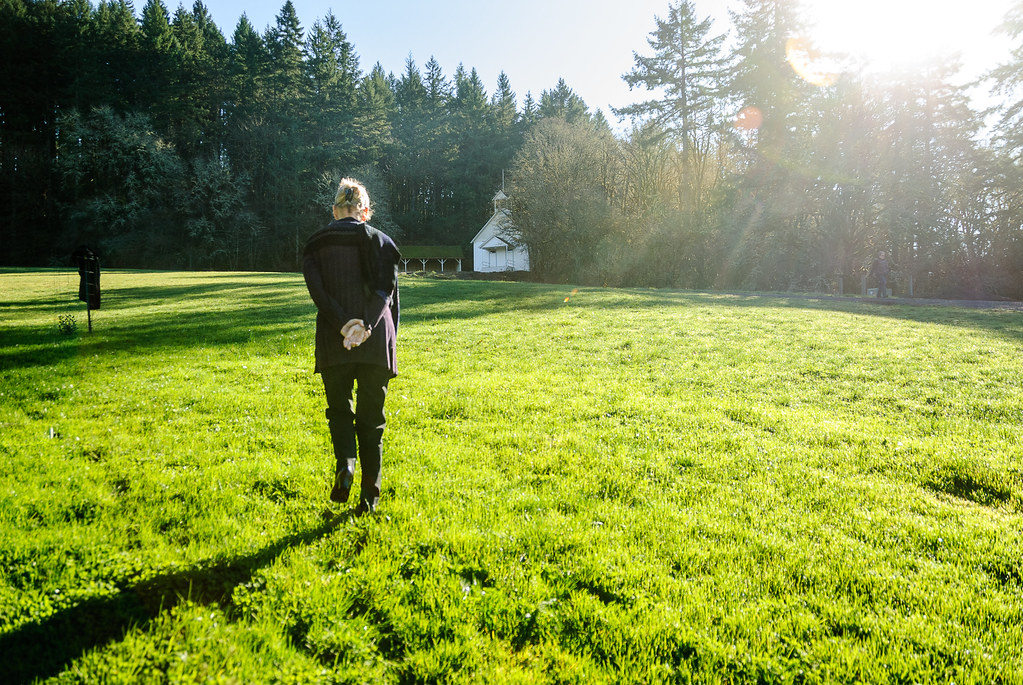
pixel 193 316
pixel 229 309
pixel 43 649
pixel 971 481
pixel 469 299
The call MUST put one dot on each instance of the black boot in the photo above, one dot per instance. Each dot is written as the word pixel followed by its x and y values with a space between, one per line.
pixel 344 476
pixel 367 505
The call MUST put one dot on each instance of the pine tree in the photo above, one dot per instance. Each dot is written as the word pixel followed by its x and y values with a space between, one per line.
pixel 529 115
pixel 286 78
pixel 1006 84
pixel 117 38
pixel 763 78
pixel 411 178
pixel 506 126
pixel 159 65
pixel 375 110
pixel 932 160
pixel 767 240
pixel 1007 224
pixel 502 104
pixel 687 66
pixel 473 176
pixel 201 90
pixel 438 90
pixel 246 102
pixel 334 74
pixel 563 103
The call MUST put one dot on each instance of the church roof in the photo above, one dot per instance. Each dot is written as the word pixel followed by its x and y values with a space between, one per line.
pixel 495 243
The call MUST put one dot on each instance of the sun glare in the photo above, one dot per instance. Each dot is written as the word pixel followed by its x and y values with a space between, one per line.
pixel 886 35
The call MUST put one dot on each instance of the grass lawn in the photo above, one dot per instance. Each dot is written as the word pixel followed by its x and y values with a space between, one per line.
pixel 580 486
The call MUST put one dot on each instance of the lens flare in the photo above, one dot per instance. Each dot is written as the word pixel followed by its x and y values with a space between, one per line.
pixel 809 63
pixel 749 119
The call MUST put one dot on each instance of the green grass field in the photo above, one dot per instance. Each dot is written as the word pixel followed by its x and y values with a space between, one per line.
pixel 585 486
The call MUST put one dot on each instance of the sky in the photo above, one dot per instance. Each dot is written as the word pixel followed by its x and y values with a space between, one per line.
pixel 590 43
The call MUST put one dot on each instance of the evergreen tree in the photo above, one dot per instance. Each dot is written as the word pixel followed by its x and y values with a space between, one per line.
pixel 767 238
pixel 334 74
pixel 286 78
pixel 563 103
pixel 76 48
pixel 124 180
pixel 117 38
pixel 201 85
pixel 412 179
pixel 1007 203
pixel 222 230
pixel 687 66
pixel 285 179
pixel 438 90
pixel 470 96
pixel 409 91
pixel 932 155
pixel 506 126
pixel 159 67
pixel 849 160
pixel 375 110
pixel 28 106
pixel 502 104
pixel 528 116
pixel 763 78
pixel 246 106
pixel 1006 84
pixel 473 178
pixel 248 63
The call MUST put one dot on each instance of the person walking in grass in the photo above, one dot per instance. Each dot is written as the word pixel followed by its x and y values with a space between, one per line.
pixel 880 270
pixel 351 271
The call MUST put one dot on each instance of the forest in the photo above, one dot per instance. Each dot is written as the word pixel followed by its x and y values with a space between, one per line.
pixel 755 162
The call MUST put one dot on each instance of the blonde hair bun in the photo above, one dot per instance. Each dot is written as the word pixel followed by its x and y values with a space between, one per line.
pixel 351 194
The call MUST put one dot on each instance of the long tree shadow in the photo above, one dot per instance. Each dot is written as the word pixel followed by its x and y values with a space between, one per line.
pixel 253 313
pixel 44 648
pixel 463 300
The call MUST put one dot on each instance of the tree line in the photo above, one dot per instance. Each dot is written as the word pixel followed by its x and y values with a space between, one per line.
pixel 162 143
pixel 759 163
pixel 754 163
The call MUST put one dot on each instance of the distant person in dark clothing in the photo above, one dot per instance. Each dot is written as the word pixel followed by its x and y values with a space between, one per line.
pixel 351 270
pixel 880 270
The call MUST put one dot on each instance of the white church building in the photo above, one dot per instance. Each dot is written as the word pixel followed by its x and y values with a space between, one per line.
pixel 493 248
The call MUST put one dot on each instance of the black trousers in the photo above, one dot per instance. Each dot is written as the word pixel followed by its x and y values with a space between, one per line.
pixel 360 422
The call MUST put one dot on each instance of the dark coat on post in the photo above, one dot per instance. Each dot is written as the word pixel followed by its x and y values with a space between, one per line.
pixel 88 275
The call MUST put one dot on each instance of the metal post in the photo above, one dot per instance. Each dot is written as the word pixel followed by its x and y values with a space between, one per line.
pixel 88 301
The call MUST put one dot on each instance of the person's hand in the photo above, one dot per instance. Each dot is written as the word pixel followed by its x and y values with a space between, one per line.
pixel 347 328
pixel 355 332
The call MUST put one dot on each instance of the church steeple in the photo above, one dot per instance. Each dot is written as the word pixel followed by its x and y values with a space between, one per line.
pixel 499 199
